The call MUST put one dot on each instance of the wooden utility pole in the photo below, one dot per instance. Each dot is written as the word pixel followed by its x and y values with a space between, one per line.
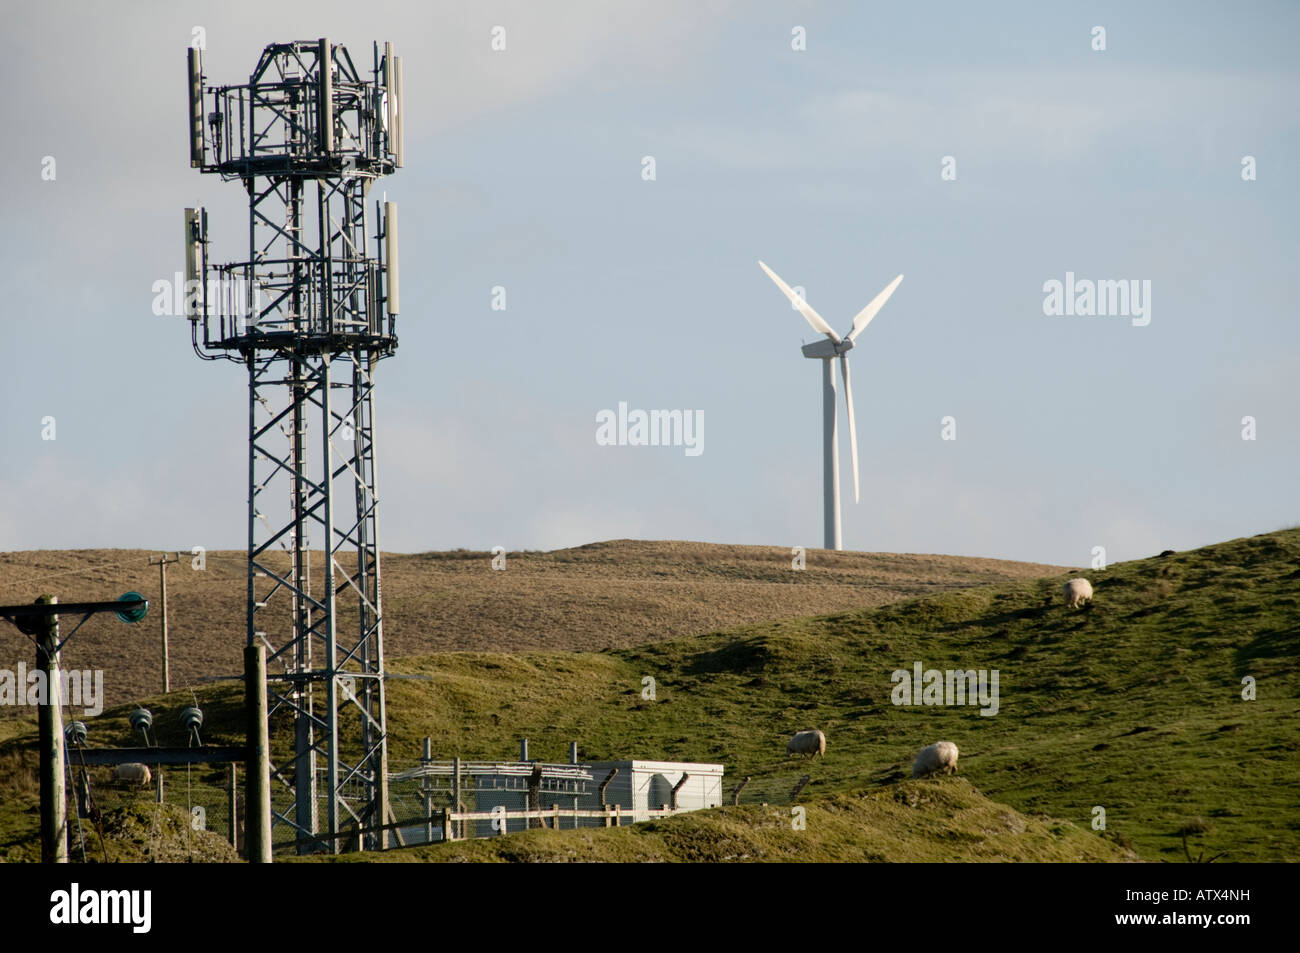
pixel 54 806
pixel 257 773
pixel 40 621
pixel 161 562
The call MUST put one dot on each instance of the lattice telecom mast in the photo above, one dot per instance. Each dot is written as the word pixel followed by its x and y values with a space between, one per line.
pixel 310 315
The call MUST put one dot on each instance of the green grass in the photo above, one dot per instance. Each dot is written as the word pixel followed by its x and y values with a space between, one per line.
pixel 144 831
pixel 936 820
pixel 1132 704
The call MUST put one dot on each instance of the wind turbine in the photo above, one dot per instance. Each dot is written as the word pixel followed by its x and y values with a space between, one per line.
pixel 826 351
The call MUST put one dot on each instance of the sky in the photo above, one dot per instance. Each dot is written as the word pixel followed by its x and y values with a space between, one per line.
pixel 832 163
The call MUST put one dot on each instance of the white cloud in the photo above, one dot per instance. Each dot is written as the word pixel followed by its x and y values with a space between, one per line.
pixel 993 115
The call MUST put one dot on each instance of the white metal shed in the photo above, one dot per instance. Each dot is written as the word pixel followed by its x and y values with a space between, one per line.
pixel 642 786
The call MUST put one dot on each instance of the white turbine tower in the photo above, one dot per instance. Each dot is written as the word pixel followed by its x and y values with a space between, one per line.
pixel 826 351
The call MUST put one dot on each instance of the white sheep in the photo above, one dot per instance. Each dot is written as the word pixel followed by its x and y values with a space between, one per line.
pixel 1077 592
pixel 811 742
pixel 133 772
pixel 940 757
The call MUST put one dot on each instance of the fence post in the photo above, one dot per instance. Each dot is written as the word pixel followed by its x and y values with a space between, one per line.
pixel 233 802
pixel 455 796
pixel 535 798
pixel 677 788
pixel 604 786
pixel 426 787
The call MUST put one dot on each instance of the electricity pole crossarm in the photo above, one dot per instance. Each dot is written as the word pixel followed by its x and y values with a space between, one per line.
pixel 40 620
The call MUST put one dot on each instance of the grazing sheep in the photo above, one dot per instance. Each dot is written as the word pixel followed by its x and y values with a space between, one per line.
pixel 940 757
pixel 133 773
pixel 1077 592
pixel 811 742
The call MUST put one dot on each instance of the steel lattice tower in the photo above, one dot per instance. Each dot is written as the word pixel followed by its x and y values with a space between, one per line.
pixel 310 315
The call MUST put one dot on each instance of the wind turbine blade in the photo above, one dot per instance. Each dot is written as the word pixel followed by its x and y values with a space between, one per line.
pixel 853 431
pixel 805 309
pixel 864 316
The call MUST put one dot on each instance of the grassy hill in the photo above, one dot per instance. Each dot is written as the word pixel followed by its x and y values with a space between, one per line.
pixel 604 595
pixel 1133 704
pixel 934 820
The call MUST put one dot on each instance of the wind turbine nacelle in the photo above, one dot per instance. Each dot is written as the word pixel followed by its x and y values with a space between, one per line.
pixel 826 348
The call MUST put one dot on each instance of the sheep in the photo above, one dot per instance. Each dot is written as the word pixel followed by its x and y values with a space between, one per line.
pixel 1077 592
pixel 940 757
pixel 133 773
pixel 811 742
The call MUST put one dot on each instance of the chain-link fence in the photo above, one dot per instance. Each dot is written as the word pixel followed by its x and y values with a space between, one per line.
pixel 175 812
